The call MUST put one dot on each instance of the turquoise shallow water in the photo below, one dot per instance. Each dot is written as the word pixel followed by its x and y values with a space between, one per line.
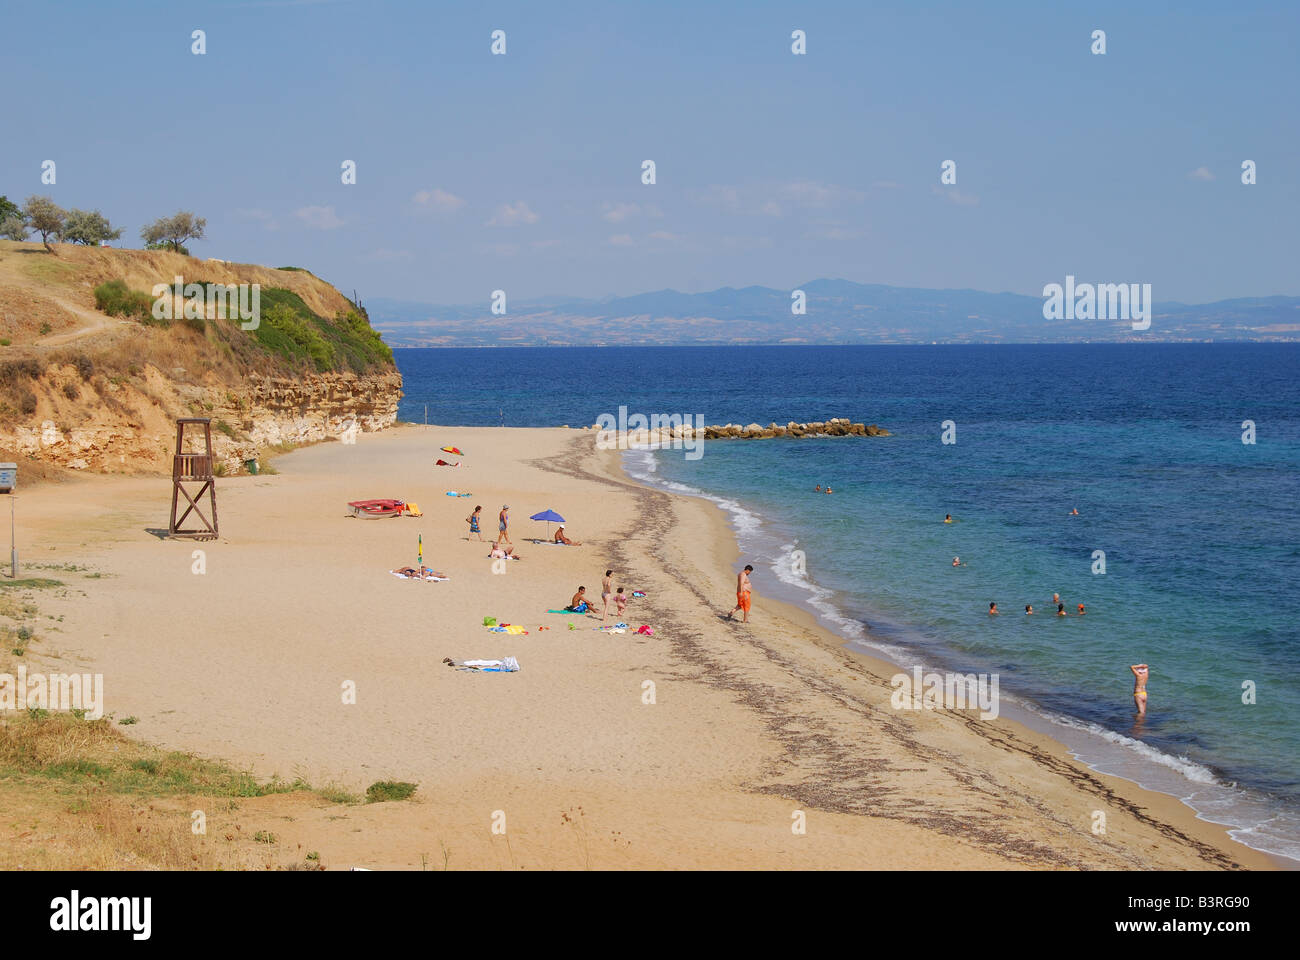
pixel 1201 552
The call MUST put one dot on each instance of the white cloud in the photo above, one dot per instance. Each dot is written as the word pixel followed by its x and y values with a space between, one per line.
pixel 621 240
pixel 437 201
pixel 955 196
pixel 1201 173
pixel 618 212
pixel 318 218
pixel 663 235
pixel 511 215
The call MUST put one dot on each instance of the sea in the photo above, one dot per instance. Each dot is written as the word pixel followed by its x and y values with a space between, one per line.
pixel 1182 461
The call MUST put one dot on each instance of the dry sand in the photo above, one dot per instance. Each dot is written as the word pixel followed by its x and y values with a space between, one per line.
pixel 751 726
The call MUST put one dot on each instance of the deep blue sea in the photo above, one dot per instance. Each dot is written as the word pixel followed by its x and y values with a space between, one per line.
pixel 1201 545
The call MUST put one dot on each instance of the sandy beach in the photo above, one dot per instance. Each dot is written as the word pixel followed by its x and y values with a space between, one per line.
pixel 753 728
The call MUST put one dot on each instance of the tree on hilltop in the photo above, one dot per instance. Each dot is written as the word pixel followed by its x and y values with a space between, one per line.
pixel 8 209
pixel 45 217
pixel 88 227
pixel 174 230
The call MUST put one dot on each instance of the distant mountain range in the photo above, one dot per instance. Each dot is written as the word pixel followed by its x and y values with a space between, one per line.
pixel 838 312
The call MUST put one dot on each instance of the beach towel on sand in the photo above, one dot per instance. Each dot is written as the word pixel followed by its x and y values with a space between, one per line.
pixel 433 576
pixel 504 665
pixel 507 628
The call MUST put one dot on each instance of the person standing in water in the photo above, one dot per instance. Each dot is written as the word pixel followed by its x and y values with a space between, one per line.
pixel 1140 675
pixel 993 609
pixel 743 598
pixel 947 518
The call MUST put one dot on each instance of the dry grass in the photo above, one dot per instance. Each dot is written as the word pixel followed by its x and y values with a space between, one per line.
pixel 78 794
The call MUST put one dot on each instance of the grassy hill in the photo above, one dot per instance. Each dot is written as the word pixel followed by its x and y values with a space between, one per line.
pixel 81 346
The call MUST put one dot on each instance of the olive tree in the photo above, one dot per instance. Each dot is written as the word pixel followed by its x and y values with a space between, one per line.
pixel 174 230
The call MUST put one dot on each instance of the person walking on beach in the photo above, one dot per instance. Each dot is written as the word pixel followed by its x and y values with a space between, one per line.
pixel 743 598
pixel 1140 676
pixel 620 600
pixel 473 520
pixel 606 591
pixel 503 521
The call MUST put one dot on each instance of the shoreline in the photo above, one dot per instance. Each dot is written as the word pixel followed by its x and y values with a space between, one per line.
pixel 1045 748
pixel 886 658
pixel 749 726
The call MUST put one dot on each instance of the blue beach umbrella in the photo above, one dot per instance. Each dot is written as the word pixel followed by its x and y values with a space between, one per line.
pixel 550 516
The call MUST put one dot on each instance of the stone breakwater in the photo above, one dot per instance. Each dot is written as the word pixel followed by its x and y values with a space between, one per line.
pixel 835 427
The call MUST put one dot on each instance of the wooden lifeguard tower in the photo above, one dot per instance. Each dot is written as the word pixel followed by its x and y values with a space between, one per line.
pixel 193 468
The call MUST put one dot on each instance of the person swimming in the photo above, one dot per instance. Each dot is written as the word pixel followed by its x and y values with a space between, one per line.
pixel 1080 609
pixel 1141 674
pixel 828 489
pixel 1056 598
pixel 817 489
pixel 1060 610
pixel 1029 609
pixel 1074 512
pixel 993 609
pixel 947 518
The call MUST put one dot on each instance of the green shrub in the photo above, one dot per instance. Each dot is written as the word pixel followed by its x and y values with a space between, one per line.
pixel 118 300
pixel 384 790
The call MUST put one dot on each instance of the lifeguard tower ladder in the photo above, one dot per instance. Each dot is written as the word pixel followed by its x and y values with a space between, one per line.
pixel 193 468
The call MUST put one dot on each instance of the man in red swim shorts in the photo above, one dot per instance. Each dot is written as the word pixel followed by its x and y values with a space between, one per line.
pixel 742 594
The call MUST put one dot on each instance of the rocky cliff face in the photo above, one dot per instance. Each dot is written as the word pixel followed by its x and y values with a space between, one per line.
pixel 133 429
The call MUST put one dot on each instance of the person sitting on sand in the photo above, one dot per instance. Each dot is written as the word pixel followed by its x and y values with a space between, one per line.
pixel 1140 676
pixel 993 609
pixel 579 602
pixel 561 538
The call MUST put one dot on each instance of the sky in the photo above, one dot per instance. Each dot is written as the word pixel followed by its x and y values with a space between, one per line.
pixel 523 171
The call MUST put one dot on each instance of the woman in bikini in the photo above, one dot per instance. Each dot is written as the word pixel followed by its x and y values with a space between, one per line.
pixel 1140 674
pixel 606 591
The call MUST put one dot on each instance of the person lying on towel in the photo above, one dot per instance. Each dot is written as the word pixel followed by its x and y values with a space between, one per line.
pixel 561 538
pixel 422 574
pixel 579 602
pixel 502 553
